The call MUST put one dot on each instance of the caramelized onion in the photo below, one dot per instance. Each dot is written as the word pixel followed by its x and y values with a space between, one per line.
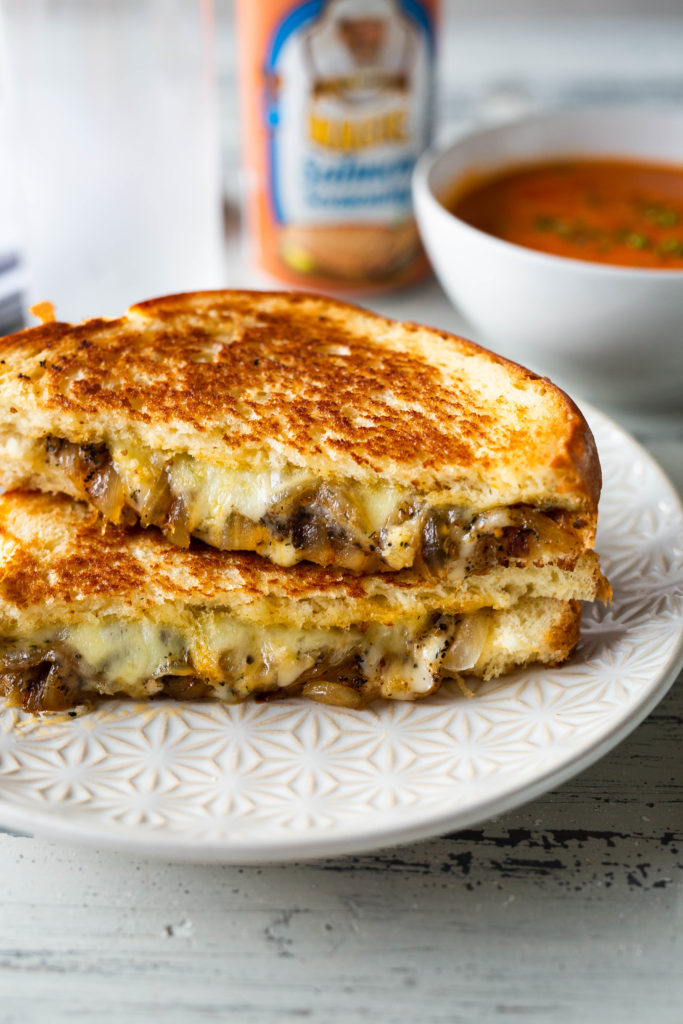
pixel 309 530
pixel 77 462
pixel 154 500
pixel 339 506
pixel 176 524
pixel 236 532
pixel 40 678
pixel 470 639
pixel 333 693
pixel 69 462
pixel 107 493
pixel 547 530
pixel 433 554
pixel 339 527
pixel 188 687
pixel 324 524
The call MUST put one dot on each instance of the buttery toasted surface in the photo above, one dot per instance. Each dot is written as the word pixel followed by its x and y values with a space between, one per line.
pixel 91 609
pixel 292 425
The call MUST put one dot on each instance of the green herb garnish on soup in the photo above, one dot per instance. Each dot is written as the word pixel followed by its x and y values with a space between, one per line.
pixel 606 211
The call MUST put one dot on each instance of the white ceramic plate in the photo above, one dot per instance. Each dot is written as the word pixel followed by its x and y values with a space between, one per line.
pixel 282 781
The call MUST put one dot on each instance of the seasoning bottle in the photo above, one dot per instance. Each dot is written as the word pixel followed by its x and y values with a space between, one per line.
pixel 336 108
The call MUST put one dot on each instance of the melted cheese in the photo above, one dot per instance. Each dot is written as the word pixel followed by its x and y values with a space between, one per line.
pixel 239 658
pixel 212 492
pixel 248 490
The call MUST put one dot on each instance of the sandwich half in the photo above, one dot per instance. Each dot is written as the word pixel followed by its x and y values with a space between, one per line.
pixel 90 610
pixel 302 429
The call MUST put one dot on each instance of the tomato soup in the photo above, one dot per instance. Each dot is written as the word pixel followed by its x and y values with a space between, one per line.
pixel 606 211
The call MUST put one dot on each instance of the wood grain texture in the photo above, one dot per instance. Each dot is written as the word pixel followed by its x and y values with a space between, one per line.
pixel 569 910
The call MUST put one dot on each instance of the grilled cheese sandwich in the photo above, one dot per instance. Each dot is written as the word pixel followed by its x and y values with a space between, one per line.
pixel 301 428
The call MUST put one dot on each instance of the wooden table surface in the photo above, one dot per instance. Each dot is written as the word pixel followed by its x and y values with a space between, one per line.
pixel 567 910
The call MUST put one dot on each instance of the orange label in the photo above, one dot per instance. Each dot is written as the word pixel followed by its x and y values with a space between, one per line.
pixel 336 108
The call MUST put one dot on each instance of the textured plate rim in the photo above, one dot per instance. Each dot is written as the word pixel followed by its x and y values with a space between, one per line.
pixel 362 837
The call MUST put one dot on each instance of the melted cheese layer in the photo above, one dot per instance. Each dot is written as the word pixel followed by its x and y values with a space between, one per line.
pixel 238 658
pixel 211 494
pixel 250 491
pixel 287 514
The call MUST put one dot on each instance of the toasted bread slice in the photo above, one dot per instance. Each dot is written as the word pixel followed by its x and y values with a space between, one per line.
pixel 301 428
pixel 88 609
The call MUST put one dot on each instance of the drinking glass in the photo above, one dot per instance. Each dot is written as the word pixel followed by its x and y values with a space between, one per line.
pixel 116 136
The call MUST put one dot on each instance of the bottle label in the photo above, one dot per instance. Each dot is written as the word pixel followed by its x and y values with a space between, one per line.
pixel 346 113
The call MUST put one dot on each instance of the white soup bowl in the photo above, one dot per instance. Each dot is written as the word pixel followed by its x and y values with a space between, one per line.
pixel 612 333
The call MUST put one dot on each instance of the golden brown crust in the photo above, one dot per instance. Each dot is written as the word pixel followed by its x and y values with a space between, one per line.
pixel 565 633
pixel 233 376
pixel 58 562
pixel 580 457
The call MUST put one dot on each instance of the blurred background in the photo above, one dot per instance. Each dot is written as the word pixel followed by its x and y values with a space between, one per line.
pixel 108 201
